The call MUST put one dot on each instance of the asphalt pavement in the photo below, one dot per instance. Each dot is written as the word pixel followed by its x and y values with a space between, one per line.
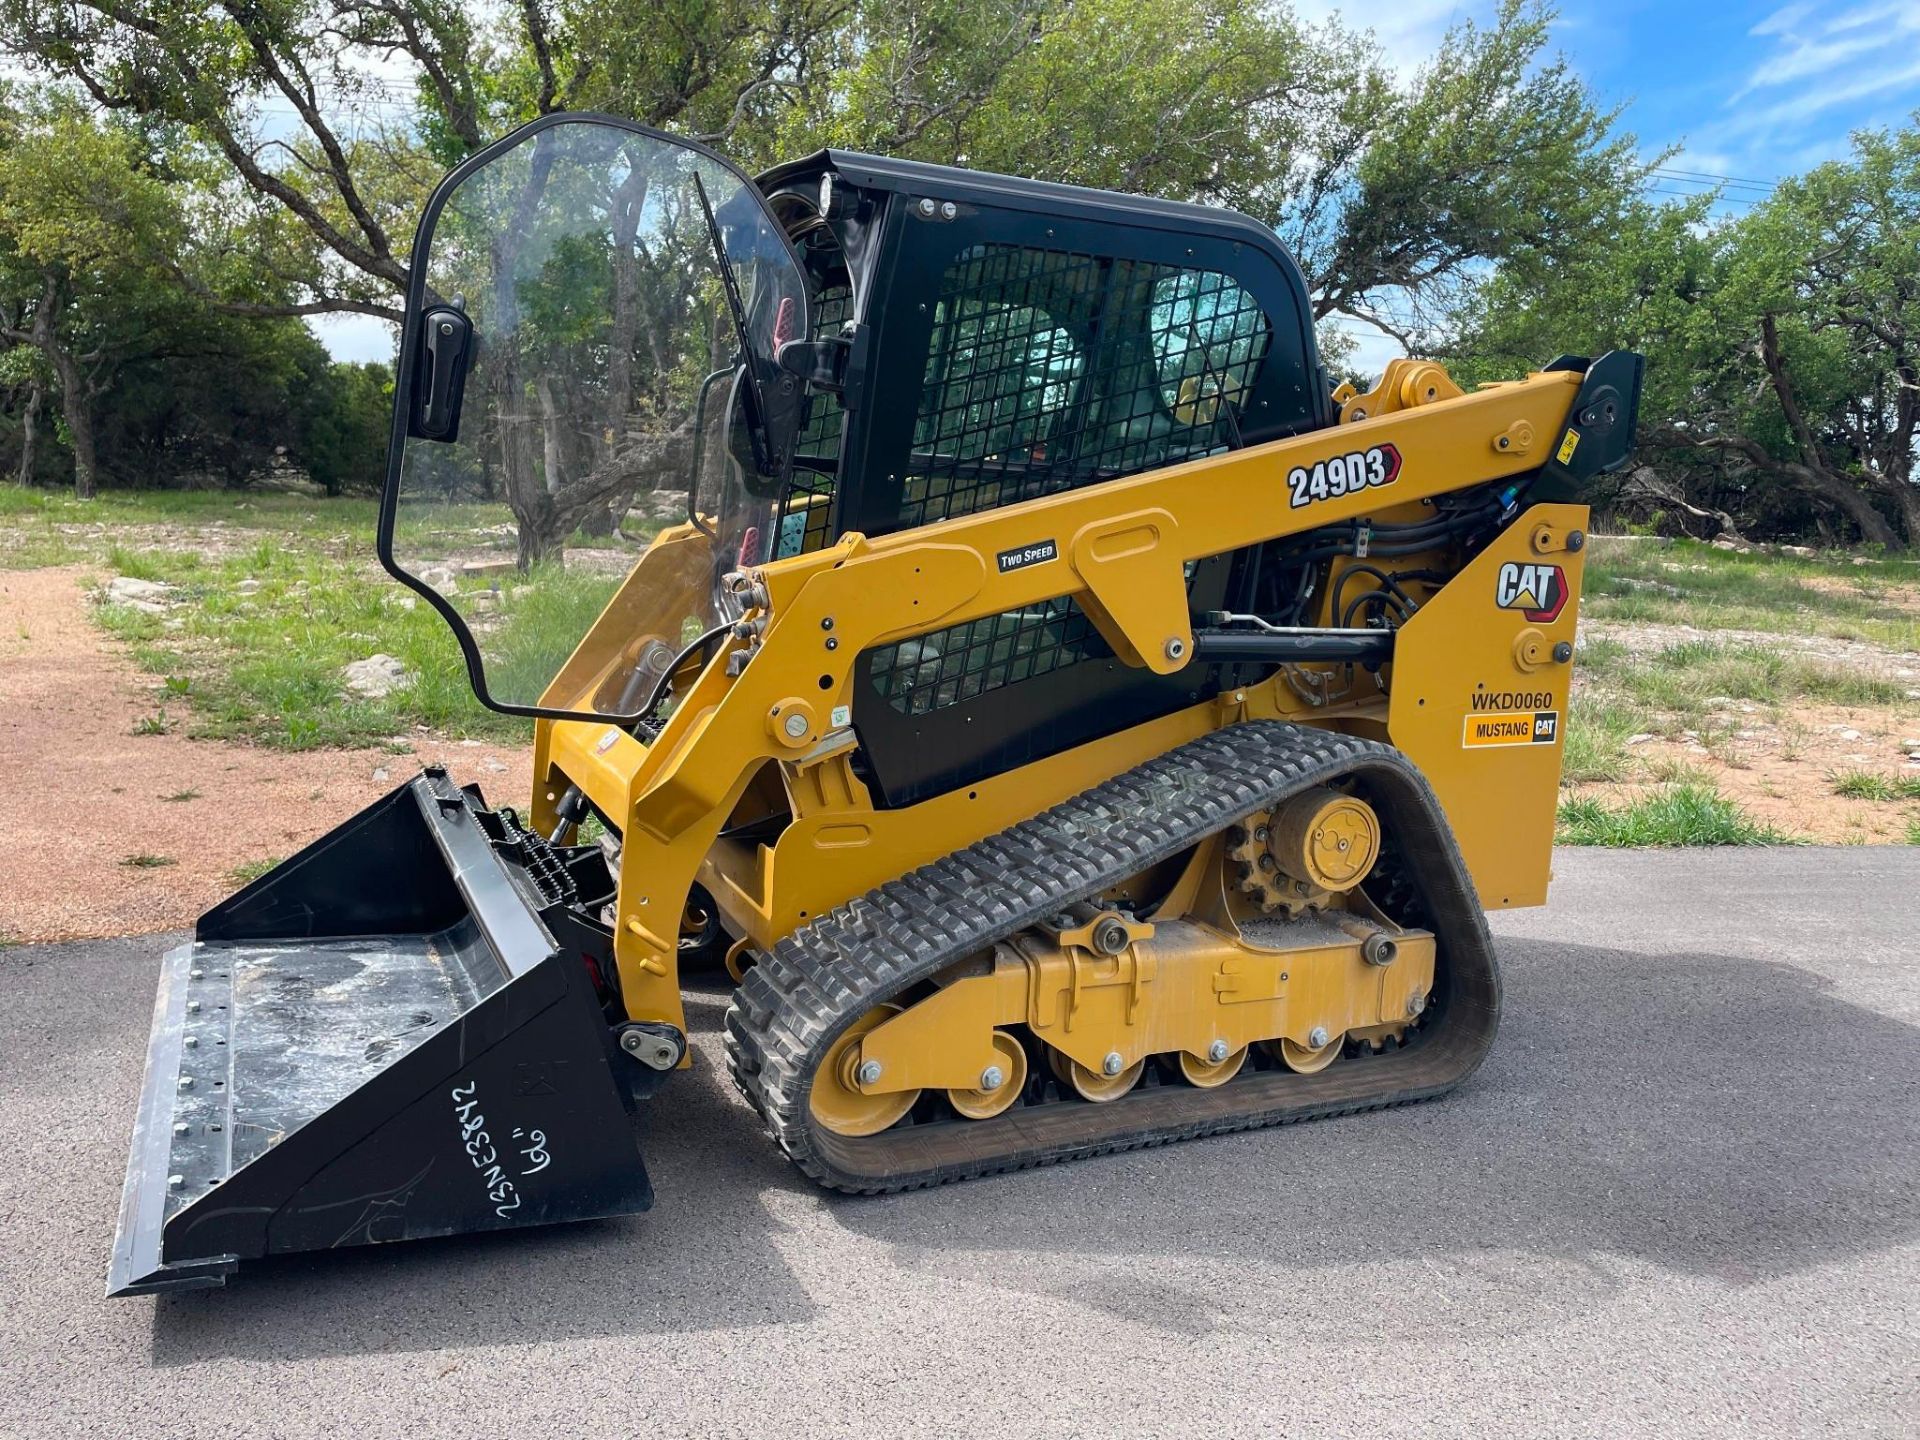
pixel 1682 1197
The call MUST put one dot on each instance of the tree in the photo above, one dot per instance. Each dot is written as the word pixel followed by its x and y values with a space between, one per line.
pixel 81 215
pixel 1781 345
pixel 1827 274
pixel 341 417
pixel 1388 194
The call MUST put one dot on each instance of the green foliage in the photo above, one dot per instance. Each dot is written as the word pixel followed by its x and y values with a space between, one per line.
pixel 250 871
pixel 100 224
pixel 1780 346
pixel 1873 785
pixel 341 419
pixel 1685 814
pixel 1597 733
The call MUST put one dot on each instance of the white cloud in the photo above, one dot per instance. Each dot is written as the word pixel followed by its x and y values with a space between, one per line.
pixel 1851 49
pixel 1859 50
pixel 1782 20
pixel 1408 33
pixel 1818 74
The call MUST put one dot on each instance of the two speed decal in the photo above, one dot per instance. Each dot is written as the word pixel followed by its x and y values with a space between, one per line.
pixel 1347 474
pixel 1021 556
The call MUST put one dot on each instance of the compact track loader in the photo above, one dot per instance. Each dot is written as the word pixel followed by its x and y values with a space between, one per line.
pixel 1073 723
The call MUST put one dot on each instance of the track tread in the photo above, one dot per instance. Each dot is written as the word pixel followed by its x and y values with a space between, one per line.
pixel 795 1001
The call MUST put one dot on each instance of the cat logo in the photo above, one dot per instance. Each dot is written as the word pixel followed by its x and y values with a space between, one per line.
pixel 1537 591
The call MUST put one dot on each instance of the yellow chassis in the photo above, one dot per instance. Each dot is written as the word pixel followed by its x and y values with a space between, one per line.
pixel 1459 661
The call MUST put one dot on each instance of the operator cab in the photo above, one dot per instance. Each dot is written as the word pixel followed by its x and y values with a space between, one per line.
pixel 998 340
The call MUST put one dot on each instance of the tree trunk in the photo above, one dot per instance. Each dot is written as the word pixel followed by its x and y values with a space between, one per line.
pixel 1844 495
pixel 29 433
pixel 523 455
pixel 76 408
pixel 85 470
pixel 1906 498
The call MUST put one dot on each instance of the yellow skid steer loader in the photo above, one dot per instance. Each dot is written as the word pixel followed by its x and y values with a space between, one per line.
pixel 1073 723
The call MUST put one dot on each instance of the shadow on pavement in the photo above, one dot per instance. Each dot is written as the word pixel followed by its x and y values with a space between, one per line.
pixel 1698 1115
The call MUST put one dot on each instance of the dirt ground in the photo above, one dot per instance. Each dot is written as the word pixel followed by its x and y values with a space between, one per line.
pixel 1780 768
pixel 1784 776
pixel 94 844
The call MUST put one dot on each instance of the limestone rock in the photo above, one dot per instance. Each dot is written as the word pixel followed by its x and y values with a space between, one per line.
pixel 377 676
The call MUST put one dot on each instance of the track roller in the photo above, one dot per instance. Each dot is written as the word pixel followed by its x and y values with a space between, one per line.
pixel 1206 1072
pixel 1099 1086
pixel 839 1102
pixel 1306 1059
pixel 1000 1084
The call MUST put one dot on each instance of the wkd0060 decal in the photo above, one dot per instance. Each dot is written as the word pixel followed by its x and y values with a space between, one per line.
pixel 1537 591
pixel 1347 474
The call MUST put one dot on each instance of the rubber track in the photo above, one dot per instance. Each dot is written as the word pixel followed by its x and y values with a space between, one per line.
pixel 796 1001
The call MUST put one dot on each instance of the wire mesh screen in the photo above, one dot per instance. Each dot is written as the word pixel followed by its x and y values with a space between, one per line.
pixel 1048 370
pixel 934 671
pixel 804 522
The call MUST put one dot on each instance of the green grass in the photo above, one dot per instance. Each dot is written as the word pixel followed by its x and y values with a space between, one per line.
pixel 1688 814
pixel 1872 785
pixel 50 527
pixel 1720 590
pixel 1684 676
pixel 1670 691
pixel 539 627
pixel 148 862
pixel 180 796
pixel 1913 832
pixel 265 666
pixel 1597 732
pixel 251 871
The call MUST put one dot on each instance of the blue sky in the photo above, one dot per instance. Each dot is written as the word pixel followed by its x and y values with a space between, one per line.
pixel 1749 92
pixel 1753 91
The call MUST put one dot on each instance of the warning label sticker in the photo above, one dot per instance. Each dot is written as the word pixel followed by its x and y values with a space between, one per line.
pixel 1528 727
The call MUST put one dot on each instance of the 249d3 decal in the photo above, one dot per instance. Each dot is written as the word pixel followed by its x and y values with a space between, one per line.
pixel 1347 474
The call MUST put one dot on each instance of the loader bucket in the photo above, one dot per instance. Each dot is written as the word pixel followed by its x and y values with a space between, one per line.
pixel 381 1039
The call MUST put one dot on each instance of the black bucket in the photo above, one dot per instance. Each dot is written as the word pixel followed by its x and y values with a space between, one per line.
pixel 379 1040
